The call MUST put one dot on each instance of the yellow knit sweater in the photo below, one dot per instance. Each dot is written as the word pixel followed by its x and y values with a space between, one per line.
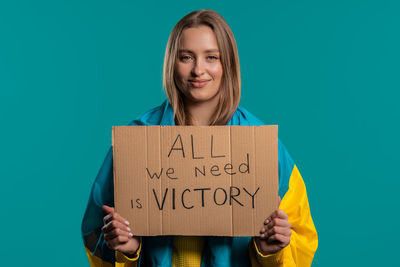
pixel 187 251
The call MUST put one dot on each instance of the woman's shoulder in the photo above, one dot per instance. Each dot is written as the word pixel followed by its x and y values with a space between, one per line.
pixel 244 117
pixel 153 116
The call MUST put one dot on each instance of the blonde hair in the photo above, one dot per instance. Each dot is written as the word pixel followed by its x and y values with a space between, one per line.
pixel 229 95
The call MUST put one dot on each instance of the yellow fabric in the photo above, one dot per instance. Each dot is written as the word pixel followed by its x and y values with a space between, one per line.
pixel 96 261
pixel 187 251
pixel 304 239
pixel 121 260
pixel 281 258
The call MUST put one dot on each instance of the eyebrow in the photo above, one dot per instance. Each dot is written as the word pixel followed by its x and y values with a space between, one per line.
pixel 207 51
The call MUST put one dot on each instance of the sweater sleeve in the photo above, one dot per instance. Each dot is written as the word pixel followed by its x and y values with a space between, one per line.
pixel 304 239
pixel 121 260
pixel 102 193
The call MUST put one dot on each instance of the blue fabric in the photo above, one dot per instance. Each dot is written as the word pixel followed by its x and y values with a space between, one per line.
pixel 157 251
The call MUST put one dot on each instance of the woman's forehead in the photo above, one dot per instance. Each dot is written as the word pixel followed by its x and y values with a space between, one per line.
pixel 198 39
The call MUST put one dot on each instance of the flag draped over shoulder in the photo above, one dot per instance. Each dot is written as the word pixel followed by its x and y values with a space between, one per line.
pixel 219 251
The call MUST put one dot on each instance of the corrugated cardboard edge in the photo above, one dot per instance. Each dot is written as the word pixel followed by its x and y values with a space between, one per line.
pixel 113 129
pixel 230 155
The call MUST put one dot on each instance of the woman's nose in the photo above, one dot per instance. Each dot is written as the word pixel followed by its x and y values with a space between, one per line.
pixel 198 68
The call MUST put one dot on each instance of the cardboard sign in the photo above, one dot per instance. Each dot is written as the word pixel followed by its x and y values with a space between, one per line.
pixel 195 180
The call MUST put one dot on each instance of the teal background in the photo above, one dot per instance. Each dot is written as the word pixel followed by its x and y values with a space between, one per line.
pixel 326 71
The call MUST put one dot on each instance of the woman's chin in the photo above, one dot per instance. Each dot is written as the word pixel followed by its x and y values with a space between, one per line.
pixel 201 97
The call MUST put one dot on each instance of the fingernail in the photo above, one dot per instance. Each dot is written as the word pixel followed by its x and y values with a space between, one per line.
pixel 127 223
pixel 128 229
pixel 266 221
pixel 262 235
pixel 262 231
pixel 130 234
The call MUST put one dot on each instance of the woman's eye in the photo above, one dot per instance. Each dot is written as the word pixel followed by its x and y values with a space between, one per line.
pixel 186 58
pixel 212 57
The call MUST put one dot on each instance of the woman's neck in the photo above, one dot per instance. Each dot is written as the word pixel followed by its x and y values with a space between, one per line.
pixel 201 112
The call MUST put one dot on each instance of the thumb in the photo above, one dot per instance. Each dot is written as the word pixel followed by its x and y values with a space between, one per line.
pixel 107 209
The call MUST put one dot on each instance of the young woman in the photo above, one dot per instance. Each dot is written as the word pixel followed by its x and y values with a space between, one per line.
pixel 202 81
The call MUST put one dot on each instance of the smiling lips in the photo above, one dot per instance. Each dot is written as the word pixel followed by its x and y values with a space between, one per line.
pixel 198 83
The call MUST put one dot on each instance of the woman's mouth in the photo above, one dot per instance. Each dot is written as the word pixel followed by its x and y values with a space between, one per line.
pixel 198 83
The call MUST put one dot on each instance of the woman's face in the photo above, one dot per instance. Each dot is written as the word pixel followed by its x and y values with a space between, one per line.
pixel 198 68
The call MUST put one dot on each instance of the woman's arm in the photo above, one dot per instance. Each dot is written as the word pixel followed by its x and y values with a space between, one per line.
pixel 303 241
pixel 102 193
pixel 121 260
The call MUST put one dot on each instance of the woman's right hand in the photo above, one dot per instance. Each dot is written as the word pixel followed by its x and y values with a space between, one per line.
pixel 117 233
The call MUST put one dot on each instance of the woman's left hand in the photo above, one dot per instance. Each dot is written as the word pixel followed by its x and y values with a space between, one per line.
pixel 275 235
